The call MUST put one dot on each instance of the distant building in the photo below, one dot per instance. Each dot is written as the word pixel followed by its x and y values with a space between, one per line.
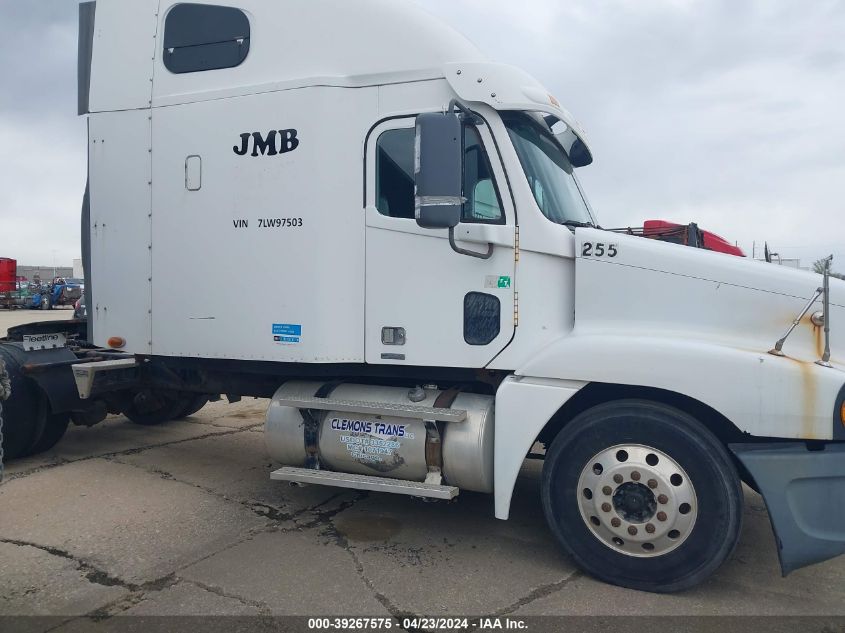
pixel 45 272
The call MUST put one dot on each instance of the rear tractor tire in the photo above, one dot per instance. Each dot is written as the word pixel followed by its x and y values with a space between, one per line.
pixel 30 426
pixel 54 430
pixel 197 402
pixel 150 408
pixel 25 412
pixel 642 495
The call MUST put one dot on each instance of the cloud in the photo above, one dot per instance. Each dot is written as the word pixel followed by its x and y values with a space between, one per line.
pixel 715 111
pixel 38 49
pixel 724 113
pixel 44 179
pixel 42 164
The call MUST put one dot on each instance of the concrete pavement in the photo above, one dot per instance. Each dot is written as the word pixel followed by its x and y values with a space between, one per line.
pixel 182 519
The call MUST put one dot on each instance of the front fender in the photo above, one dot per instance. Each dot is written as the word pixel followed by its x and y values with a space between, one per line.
pixel 759 393
pixel 523 407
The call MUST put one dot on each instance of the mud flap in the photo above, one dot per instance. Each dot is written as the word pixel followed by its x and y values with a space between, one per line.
pixel 804 492
pixel 56 381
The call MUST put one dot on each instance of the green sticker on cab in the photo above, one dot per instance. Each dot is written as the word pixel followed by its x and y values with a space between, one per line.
pixel 497 281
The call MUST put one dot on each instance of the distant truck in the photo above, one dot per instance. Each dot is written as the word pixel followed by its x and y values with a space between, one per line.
pixel 8 282
pixel 688 235
pixel 443 300
pixel 59 292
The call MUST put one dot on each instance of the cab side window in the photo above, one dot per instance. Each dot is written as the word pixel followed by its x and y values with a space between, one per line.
pixel 482 203
pixel 199 37
pixel 395 177
pixel 395 173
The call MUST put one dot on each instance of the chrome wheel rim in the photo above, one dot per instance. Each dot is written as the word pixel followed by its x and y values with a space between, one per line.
pixel 637 500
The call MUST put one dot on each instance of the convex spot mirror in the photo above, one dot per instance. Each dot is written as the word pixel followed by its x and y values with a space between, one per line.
pixel 438 170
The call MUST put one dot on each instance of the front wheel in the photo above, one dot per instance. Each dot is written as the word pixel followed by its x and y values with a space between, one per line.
pixel 642 495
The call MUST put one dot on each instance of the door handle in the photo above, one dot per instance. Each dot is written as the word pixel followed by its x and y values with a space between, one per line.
pixel 499 234
pixel 464 251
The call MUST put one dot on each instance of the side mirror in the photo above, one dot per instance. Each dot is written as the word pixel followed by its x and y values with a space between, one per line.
pixel 438 170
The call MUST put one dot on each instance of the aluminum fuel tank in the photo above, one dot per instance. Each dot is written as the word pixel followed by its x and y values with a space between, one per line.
pixel 385 445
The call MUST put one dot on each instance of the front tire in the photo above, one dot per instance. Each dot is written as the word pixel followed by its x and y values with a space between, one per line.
pixel 642 495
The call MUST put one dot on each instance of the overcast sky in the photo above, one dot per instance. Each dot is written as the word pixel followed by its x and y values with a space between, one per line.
pixel 723 112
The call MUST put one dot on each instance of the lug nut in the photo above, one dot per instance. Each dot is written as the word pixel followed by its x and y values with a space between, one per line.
pixel 649 528
pixel 605 507
pixel 632 531
pixel 615 522
pixel 635 475
pixel 618 479
pixel 652 483
pixel 661 516
pixel 607 490
pixel 662 499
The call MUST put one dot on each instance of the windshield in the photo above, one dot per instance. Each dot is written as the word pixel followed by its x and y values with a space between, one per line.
pixel 549 172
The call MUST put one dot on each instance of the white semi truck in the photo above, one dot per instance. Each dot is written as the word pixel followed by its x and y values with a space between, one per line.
pixel 435 295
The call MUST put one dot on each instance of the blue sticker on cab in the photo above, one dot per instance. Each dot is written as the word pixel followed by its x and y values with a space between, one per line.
pixel 287 333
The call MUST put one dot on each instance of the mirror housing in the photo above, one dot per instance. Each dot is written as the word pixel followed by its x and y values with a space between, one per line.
pixel 438 170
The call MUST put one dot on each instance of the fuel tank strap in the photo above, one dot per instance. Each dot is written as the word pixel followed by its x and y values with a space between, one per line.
pixel 446 399
pixel 326 390
pixel 311 428
pixel 434 437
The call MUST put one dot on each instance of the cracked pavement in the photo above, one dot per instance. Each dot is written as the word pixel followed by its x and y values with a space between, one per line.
pixel 182 519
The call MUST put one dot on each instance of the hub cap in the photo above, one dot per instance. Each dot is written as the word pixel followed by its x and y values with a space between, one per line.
pixel 637 500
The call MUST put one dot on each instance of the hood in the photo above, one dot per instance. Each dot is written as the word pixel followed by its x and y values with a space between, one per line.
pixel 657 288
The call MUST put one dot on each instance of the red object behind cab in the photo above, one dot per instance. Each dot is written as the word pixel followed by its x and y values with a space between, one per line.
pixel 660 229
pixel 8 274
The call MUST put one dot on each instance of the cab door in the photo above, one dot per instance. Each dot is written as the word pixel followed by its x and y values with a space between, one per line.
pixel 427 304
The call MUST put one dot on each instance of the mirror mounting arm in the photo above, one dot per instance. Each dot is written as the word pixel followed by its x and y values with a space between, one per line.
pixel 466 114
pixel 463 251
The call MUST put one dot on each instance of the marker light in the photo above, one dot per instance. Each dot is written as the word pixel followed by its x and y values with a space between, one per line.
pixel 842 413
pixel 116 342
